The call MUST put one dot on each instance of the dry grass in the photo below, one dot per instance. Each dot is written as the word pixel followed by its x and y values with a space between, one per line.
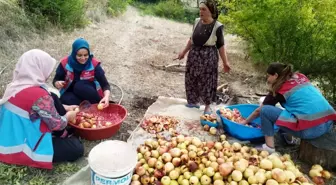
pixel 12 33
pixel 96 10
pixel 17 35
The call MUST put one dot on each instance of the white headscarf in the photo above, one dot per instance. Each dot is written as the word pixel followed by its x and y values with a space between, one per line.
pixel 33 69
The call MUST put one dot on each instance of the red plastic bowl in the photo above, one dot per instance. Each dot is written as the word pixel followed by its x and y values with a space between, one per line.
pixel 113 113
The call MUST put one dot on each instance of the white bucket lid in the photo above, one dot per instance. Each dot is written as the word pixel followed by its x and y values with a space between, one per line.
pixel 113 158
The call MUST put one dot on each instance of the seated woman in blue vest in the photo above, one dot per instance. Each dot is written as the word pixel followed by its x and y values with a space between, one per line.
pixel 306 114
pixel 80 77
pixel 30 115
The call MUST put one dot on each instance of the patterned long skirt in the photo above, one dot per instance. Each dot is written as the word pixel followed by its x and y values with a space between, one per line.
pixel 201 75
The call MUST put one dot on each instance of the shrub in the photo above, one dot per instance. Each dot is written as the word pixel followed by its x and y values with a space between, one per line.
pixel 190 15
pixel 148 1
pixel 171 9
pixel 302 33
pixel 116 7
pixel 68 14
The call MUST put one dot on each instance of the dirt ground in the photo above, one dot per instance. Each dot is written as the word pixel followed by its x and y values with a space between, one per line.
pixel 127 45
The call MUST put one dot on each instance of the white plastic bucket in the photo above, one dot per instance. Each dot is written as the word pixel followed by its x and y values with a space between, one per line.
pixel 112 162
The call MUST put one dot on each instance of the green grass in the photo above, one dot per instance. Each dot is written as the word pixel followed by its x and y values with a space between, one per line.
pixel 17 175
pixel 168 9
pixel 68 15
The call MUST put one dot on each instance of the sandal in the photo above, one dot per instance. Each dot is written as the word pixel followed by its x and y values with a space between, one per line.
pixel 192 106
pixel 208 112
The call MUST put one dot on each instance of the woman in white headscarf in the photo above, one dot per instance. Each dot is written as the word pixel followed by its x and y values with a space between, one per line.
pixel 30 114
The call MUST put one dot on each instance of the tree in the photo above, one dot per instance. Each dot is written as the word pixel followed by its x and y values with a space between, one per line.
pixel 300 32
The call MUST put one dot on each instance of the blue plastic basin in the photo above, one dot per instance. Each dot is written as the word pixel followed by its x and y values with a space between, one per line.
pixel 243 132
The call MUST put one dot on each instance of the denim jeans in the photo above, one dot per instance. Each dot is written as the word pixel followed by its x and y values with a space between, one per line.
pixel 269 114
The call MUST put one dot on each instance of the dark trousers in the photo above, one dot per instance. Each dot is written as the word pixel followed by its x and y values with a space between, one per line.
pixel 82 90
pixel 68 148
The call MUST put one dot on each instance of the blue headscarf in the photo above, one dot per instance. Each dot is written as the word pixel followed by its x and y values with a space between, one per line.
pixel 77 45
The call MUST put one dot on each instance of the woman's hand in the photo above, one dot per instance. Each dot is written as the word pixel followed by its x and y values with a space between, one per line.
pixel 181 55
pixel 70 107
pixel 59 84
pixel 244 122
pixel 105 101
pixel 253 116
pixel 227 67
pixel 71 115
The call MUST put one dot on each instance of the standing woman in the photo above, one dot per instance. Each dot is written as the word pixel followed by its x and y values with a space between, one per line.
pixel 80 77
pixel 202 64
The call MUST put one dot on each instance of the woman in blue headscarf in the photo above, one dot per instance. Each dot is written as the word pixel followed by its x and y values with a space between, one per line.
pixel 80 77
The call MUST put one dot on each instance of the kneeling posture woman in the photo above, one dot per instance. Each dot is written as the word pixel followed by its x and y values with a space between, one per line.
pixel 32 120
pixel 306 115
pixel 80 77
